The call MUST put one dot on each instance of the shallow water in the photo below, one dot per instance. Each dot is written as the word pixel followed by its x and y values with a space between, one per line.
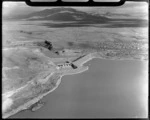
pixel 110 88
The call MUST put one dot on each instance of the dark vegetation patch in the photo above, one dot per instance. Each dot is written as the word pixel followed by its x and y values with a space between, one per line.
pixel 21 31
pixel 85 45
pixel 114 23
pixel 70 44
pixel 45 44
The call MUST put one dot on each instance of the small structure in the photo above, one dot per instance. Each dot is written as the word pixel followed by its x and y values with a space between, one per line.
pixel 67 65
pixel 73 66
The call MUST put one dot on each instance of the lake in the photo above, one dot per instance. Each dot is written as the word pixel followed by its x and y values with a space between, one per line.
pixel 110 88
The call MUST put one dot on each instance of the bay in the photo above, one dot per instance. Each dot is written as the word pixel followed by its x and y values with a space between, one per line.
pixel 109 89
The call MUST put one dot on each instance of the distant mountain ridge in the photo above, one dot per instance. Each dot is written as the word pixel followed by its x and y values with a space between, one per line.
pixel 61 14
pixel 70 17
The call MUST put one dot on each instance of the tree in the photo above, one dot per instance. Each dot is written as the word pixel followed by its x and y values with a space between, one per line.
pixel 48 45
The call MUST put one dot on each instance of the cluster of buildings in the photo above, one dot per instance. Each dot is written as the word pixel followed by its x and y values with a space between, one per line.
pixel 67 65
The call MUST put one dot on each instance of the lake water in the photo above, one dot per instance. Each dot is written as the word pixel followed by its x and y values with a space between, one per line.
pixel 110 88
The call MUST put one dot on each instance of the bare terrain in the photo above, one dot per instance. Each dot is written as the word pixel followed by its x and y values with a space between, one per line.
pixel 60 50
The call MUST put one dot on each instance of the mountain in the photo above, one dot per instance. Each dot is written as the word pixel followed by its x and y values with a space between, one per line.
pixel 69 17
pixel 62 14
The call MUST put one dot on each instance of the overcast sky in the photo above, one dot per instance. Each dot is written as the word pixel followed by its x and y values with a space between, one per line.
pixel 132 8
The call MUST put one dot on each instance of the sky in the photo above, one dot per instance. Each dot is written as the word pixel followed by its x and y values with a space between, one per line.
pixel 132 8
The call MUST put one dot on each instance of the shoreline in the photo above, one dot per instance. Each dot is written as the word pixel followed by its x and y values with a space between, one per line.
pixel 81 68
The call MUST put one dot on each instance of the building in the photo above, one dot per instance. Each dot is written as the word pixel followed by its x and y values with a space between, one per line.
pixel 67 65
